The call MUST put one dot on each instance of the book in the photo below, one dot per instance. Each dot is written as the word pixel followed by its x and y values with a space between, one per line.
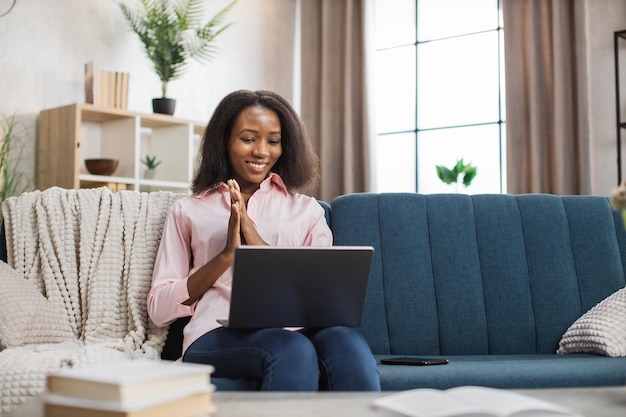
pixel 130 381
pixel 469 401
pixel 106 88
pixel 194 404
pixel 124 93
pixel 90 83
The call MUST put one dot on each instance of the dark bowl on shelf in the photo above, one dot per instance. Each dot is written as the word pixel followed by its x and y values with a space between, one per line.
pixel 101 166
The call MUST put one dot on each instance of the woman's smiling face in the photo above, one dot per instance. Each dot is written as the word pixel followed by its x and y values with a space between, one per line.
pixel 254 146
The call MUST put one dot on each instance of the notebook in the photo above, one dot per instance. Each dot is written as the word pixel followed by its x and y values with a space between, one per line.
pixel 298 286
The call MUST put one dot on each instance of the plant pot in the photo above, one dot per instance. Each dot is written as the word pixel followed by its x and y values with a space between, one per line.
pixel 148 174
pixel 163 105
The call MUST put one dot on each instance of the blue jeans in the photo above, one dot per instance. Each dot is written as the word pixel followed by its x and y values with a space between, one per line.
pixel 334 358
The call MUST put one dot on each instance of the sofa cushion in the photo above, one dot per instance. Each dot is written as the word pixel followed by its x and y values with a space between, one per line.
pixel 601 330
pixel 507 372
pixel 26 316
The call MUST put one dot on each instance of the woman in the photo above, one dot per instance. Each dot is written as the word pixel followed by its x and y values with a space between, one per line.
pixel 255 155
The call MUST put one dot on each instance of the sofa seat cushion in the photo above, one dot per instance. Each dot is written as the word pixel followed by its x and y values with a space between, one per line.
pixel 507 371
pixel 232 384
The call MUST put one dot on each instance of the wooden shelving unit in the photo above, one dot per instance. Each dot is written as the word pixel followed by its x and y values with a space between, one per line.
pixel 68 135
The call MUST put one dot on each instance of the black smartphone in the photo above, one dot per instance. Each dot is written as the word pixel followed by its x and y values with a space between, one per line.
pixel 409 360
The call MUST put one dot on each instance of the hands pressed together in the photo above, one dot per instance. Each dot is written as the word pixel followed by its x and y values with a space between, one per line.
pixel 241 229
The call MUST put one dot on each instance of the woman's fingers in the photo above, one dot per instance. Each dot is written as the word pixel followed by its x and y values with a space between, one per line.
pixel 234 226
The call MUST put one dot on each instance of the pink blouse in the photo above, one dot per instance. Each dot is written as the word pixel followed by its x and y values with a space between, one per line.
pixel 195 232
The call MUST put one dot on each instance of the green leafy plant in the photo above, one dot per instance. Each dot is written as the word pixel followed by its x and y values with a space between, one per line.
pixel 171 33
pixel 151 162
pixel 460 169
pixel 12 179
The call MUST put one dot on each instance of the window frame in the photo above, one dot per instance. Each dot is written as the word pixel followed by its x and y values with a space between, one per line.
pixel 417 131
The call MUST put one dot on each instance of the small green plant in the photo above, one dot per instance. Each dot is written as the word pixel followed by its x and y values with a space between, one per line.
pixel 151 162
pixel 452 175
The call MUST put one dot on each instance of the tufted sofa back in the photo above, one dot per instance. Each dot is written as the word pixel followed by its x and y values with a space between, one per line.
pixel 455 274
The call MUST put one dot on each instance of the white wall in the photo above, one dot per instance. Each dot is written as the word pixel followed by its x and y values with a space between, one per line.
pixel 45 43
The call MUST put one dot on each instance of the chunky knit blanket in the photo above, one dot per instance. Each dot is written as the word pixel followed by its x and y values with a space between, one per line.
pixel 90 252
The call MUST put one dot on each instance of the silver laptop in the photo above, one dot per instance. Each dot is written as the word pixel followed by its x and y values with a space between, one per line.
pixel 298 286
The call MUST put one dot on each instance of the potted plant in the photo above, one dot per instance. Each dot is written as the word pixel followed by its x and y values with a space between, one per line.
pixel 151 163
pixel 465 172
pixel 171 34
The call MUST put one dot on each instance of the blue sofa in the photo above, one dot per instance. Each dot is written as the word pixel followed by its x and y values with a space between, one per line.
pixel 489 282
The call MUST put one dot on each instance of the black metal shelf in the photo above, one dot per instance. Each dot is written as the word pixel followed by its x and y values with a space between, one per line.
pixel 620 34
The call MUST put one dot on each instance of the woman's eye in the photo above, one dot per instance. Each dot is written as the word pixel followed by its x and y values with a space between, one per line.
pixel 274 141
pixel 248 140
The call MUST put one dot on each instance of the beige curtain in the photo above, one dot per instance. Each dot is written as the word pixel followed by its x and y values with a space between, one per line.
pixel 547 124
pixel 333 92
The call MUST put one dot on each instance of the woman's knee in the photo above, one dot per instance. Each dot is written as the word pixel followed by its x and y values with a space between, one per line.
pixel 291 363
pixel 346 360
pixel 292 347
pixel 333 337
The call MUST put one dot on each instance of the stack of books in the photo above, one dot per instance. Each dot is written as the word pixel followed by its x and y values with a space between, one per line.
pixel 106 88
pixel 134 388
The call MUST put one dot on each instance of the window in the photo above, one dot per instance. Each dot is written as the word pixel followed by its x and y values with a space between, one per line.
pixel 439 93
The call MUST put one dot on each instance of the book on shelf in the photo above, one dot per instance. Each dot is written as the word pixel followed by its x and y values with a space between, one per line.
pixel 106 88
pixel 90 78
pixel 468 401
pixel 191 405
pixel 130 381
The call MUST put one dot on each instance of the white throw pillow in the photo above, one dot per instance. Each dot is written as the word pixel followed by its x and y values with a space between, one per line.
pixel 601 330
pixel 26 316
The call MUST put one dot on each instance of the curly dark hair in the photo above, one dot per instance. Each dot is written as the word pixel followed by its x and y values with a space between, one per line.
pixel 298 166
